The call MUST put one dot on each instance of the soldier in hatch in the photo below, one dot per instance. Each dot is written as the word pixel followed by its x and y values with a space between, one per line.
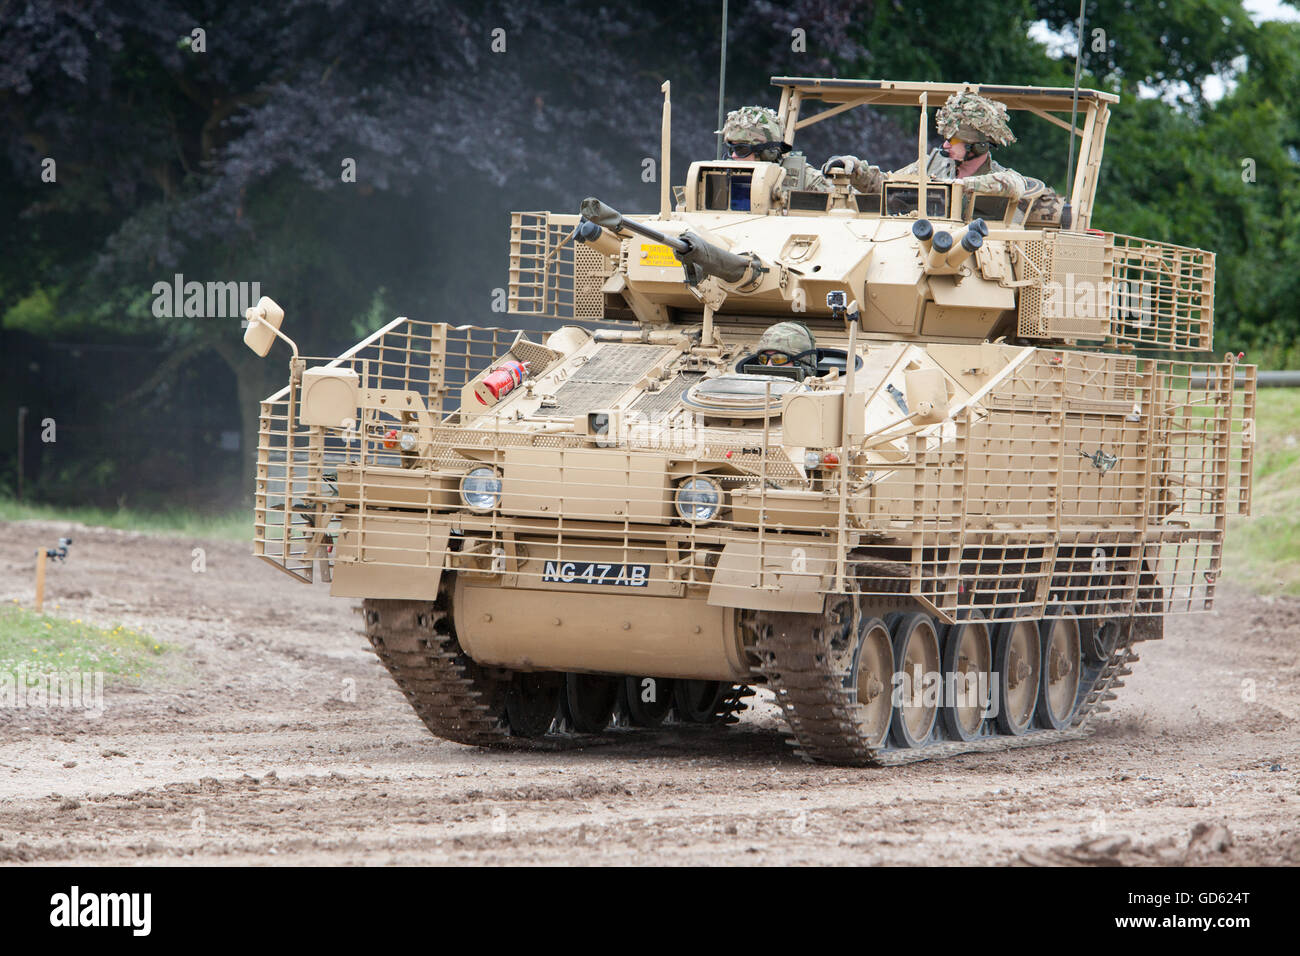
pixel 752 135
pixel 971 125
pixel 787 343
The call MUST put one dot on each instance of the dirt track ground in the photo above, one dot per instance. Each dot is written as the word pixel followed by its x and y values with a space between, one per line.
pixel 245 747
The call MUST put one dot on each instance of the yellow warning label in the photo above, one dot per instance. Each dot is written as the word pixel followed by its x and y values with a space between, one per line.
pixel 658 255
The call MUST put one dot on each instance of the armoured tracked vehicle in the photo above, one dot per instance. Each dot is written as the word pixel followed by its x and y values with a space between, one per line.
pixel 944 528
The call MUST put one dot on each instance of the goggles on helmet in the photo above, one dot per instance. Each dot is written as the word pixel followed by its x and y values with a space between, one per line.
pixel 742 150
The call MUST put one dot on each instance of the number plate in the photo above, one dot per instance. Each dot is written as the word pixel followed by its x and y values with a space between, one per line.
pixel 596 572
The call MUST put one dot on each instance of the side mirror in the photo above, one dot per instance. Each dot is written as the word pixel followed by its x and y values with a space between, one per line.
pixel 264 321
pixel 927 395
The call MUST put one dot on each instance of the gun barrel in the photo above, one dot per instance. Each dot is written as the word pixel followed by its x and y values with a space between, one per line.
pixel 716 261
pixel 697 255
pixel 610 218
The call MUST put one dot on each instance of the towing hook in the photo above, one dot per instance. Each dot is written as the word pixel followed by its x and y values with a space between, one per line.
pixel 1101 460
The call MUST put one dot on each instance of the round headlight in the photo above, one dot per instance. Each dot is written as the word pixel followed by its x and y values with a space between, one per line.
pixel 480 489
pixel 699 499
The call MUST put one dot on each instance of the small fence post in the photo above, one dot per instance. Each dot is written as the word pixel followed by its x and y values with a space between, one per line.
pixel 41 558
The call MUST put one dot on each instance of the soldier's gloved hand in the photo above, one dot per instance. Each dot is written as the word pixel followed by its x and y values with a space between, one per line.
pixel 846 164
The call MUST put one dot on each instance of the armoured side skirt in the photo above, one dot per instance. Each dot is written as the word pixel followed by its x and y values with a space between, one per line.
pixel 536 630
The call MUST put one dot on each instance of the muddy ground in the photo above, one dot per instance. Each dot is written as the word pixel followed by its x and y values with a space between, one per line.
pixel 272 735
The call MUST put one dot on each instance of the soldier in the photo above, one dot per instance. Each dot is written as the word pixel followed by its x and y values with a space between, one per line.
pixel 788 343
pixel 752 134
pixel 970 124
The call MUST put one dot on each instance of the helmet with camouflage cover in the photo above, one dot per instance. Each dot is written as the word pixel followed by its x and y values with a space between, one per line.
pixel 751 124
pixel 792 339
pixel 973 119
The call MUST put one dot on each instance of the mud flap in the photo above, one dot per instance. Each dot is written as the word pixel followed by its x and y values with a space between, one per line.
pixel 784 577
pixel 391 542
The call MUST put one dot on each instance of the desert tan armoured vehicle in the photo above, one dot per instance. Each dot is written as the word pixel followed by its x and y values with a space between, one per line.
pixel 944 530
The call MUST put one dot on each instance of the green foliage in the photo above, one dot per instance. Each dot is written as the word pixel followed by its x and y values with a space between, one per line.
pixel 1263 551
pixel 225 166
pixel 935 41
pixel 374 317
pixel 1223 177
pixel 45 643
pixel 1168 45
pixel 1175 167
pixel 232 526
pixel 34 312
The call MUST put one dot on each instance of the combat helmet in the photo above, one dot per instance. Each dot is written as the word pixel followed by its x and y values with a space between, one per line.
pixel 755 126
pixel 751 124
pixel 974 119
pixel 793 339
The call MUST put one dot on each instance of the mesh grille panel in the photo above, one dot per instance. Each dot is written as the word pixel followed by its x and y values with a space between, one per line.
pixel 539 357
pixel 1115 289
pixel 658 404
pixel 552 280
pixel 590 270
pixel 611 372
pixel 1070 297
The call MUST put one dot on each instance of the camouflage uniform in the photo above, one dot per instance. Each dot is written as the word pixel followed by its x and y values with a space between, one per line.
pixel 971 118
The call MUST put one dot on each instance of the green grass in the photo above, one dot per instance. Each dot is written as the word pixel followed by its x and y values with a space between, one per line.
pixel 234 526
pixel 42 643
pixel 1263 551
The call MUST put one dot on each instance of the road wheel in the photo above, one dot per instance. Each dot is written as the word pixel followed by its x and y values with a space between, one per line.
pixel 967 661
pixel 533 702
pixel 916 655
pixel 1058 695
pixel 1017 657
pixel 698 701
pixel 648 699
pixel 871 677
pixel 591 701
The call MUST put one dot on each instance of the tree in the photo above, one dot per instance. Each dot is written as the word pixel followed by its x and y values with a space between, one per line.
pixel 214 140
pixel 323 150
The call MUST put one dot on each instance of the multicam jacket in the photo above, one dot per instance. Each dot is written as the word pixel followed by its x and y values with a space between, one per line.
pixel 998 181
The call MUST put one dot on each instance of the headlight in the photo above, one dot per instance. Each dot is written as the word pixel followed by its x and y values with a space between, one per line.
pixel 480 489
pixel 699 499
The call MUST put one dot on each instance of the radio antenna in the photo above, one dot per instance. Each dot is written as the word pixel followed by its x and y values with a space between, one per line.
pixel 722 77
pixel 1074 103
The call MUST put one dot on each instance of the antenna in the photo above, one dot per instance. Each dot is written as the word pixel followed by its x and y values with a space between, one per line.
pixel 722 78
pixel 1074 104
pixel 666 154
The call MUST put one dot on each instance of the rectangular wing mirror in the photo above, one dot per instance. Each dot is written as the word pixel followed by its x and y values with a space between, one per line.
pixel 263 322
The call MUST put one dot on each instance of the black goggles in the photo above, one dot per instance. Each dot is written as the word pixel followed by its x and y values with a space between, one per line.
pixel 748 149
